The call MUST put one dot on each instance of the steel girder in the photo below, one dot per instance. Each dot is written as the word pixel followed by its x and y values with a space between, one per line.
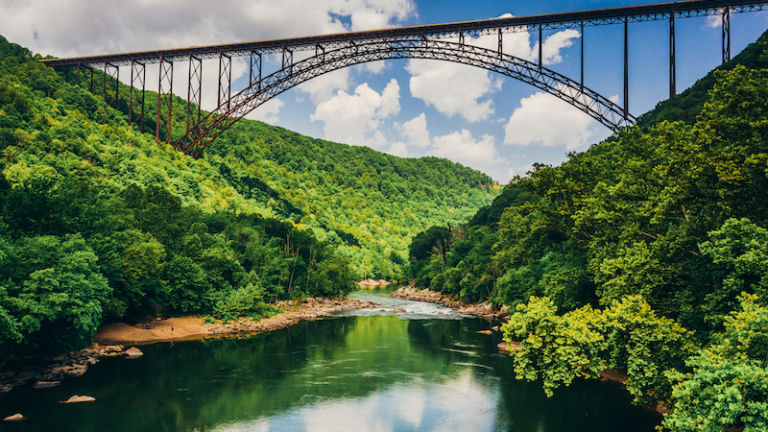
pixel 290 75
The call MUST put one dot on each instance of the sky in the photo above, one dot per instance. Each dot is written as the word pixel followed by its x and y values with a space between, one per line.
pixel 408 108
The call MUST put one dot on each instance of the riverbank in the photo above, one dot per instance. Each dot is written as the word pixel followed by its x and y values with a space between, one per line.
pixel 482 310
pixel 197 327
pixel 111 340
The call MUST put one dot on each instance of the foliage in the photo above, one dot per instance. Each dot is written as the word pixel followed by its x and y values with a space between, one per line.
pixel 626 336
pixel 728 386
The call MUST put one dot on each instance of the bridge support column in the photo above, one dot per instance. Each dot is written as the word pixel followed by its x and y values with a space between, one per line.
pixel 194 91
pixel 581 80
pixel 726 34
pixel 501 44
pixel 110 71
pixel 254 68
pixel 672 60
pixel 164 99
pixel 138 77
pixel 541 45
pixel 225 80
pixel 626 68
pixel 288 59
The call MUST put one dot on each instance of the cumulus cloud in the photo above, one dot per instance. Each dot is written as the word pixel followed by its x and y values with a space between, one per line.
pixel 461 146
pixel 452 88
pixel 355 118
pixel 543 119
pixel 81 27
pixel 416 132
pixel 268 112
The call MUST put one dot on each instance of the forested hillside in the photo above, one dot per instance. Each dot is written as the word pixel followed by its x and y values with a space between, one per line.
pixel 366 203
pixel 97 222
pixel 648 253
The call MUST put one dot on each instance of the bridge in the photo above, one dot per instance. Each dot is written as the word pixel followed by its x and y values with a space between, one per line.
pixel 446 42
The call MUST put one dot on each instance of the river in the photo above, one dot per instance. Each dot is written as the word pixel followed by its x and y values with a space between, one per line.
pixel 370 370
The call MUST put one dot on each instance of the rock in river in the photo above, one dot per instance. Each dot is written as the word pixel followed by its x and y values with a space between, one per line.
pixel 14 418
pixel 133 353
pixel 79 399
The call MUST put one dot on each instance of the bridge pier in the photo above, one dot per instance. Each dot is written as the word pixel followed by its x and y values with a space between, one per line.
pixel 138 76
pixel 225 80
pixel 194 90
pixel 111 71
pixel 164 98
pixel 255 64
pixel 672 60
pixel 726 26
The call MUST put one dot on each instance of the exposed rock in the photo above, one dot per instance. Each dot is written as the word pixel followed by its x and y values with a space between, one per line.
pixel 613 375
pixel 14 418
pixel 6 388
pixel 485 332
pixel 45 384
pixel 132 353
pixel 79 399
pixel 495 328
pixel 397 310
pixel 507 348
pixel 483 310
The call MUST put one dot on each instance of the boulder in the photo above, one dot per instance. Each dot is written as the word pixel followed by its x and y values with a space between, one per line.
pixel 6 388
pixel 14 418
pixel 132 353
pixel 79 399
pixel 45 384
pixel 485 332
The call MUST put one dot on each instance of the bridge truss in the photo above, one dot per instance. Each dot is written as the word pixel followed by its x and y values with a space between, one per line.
pixel 332 52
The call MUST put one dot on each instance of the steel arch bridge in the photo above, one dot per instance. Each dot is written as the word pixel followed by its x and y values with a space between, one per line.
pixel 444 42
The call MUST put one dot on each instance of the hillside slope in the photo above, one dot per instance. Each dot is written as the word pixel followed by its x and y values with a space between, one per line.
pixel 97 222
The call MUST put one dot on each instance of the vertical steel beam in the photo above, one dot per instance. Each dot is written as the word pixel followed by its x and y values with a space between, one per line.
pixel 541 46
pixel 501 44
pixel 164 98
pixel 461 41
pixel 254 69
pixel 626 68
pixel 104 84
pixel 194 91
pixel 726 34
pixel 581 81
pixel 288 59
pixel 672 60
pixel 110 71
pixel 117 86
pixel 138 76
pixel 225 80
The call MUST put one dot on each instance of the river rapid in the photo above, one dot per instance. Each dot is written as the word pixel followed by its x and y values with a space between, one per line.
pixel 425 369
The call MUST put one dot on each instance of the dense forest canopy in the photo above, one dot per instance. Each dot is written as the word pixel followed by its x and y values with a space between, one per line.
pixel 98 222
pixel 647 253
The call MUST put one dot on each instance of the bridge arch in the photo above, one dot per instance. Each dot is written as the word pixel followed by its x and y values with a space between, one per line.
pixel 293 74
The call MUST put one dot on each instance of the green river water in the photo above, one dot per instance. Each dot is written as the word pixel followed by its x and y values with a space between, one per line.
pixel 373 370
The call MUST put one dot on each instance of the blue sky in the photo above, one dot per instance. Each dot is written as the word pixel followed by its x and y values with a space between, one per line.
pixel 409 108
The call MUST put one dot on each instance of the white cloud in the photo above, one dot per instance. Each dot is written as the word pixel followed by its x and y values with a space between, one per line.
pixel 398 149
pixel 352 118
pixel 543 119
pixel 81 27
pixel 714 21
pixel 268 112
pixel 416 132
pixel 462 147
pixel 452 88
